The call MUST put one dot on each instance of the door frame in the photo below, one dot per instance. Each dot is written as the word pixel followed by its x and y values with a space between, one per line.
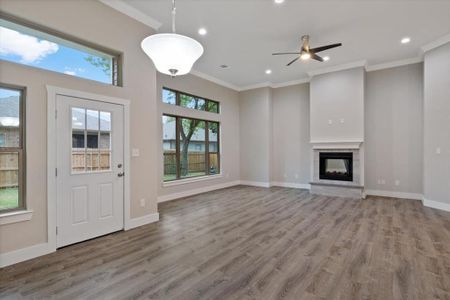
pixel 52 93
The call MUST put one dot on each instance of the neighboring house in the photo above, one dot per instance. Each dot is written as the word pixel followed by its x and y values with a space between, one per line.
pixel 197 143
pixel 9 121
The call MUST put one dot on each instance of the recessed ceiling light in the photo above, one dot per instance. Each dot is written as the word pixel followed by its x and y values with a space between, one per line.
pixel 268 72
pixel 326 58
pixel 202 31
pixel 405 40
pixel 278 1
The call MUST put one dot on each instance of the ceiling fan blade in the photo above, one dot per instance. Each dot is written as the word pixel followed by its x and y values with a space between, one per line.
pixel 316 57
pixel 293 61
pixel 286 53
pixel 323 48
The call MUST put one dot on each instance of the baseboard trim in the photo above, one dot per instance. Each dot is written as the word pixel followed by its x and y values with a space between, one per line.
pixel 436 204
pixel 17 256
pixel 303 186
pixel 255 183
pixel 192 192
pixel 141 221
pixel 391 194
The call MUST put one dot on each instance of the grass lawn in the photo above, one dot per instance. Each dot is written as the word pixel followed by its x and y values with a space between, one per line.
pixel 9 198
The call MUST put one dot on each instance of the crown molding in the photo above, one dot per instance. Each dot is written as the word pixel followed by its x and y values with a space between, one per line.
pixel 396 63
pixel 125 8
pixel 215 80
pixel 255 86
pixel 342 67
pixel 289 83
pixel 437 43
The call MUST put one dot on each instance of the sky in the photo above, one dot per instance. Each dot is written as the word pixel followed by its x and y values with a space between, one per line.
pixel 29 50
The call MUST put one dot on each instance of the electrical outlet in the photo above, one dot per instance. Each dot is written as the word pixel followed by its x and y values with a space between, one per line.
pixel 330 122
pixel 142 202
pixel 397 182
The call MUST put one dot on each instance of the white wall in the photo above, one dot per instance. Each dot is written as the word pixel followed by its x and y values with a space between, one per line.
pixel 394 129
pixel 291 146
pixel 336 96
pixel 437 125
pixel 229 129
pixel 98 24
pixel 255 120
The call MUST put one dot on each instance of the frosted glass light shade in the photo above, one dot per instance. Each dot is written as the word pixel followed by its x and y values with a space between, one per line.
pixel 173 54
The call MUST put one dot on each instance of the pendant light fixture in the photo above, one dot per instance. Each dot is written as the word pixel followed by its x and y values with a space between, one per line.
pixel 173 54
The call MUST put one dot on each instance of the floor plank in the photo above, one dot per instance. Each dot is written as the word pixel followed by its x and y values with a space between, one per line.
pixel 254 243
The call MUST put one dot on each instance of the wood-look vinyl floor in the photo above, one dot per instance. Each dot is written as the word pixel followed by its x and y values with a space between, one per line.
pixel 254 243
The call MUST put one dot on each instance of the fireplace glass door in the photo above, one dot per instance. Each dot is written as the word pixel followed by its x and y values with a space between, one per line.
pixel 336 166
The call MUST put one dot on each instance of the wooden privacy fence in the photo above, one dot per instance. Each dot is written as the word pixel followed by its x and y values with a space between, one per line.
pixel 9 170
pixel 196 162
pixel 94 160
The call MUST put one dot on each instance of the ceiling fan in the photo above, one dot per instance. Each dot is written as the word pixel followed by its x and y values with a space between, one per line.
pixel 306 52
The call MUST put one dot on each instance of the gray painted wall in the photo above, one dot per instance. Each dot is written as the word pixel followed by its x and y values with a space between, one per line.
pixel 437 124
pixel 291 147
pixel 338 96
pixel 255 119
pixel 394 129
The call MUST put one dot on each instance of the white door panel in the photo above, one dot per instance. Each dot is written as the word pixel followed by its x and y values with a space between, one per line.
pixel 90 152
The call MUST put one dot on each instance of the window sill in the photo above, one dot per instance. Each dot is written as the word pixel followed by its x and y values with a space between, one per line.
pixel 15 216
pixel 191 180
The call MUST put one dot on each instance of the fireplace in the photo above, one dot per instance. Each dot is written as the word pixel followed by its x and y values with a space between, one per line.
pixel 336 166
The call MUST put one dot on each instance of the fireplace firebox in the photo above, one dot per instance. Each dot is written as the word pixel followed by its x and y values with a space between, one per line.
pixel 336 166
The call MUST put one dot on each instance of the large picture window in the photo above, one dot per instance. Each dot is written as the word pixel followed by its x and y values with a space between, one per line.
pixel 45 49
pixel 191 147
pixel 189 101
pixel 12 148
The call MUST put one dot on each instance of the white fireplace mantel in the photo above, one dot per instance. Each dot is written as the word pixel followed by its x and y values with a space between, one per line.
pixel 336 144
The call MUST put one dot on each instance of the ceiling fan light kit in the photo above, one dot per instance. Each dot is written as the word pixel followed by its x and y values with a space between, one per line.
pixel 307 53
pixel 173 54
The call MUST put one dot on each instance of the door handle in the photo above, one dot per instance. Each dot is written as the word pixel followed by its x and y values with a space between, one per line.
pixel 121 174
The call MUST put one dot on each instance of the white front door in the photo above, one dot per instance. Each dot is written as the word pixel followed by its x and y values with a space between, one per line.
pixel 90 152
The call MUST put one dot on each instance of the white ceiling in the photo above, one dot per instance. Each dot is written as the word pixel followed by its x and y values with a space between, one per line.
pixel 243 33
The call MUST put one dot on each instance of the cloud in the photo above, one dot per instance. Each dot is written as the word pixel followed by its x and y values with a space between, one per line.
pixel 29 48
pixel 73 73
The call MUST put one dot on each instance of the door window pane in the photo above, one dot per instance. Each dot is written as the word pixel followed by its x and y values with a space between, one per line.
pixel 192 148
pixel 169 148
pixel 9 180
pixel 10 118
pixel 91 140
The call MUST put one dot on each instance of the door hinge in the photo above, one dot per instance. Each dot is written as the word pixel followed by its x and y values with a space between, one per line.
pixel 56 229
pixel 56 114
pixel 56 172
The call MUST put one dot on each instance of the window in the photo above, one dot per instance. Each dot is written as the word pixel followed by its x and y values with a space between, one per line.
pixel 33 47
pixel 189 101
pixel 12 148
pixel 91 140
pixel 191 147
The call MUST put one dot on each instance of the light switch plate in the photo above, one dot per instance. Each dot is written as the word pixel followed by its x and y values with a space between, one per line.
pixel 135 152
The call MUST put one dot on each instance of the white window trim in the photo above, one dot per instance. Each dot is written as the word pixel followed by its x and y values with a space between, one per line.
pixel 15 216
pixel 191 180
